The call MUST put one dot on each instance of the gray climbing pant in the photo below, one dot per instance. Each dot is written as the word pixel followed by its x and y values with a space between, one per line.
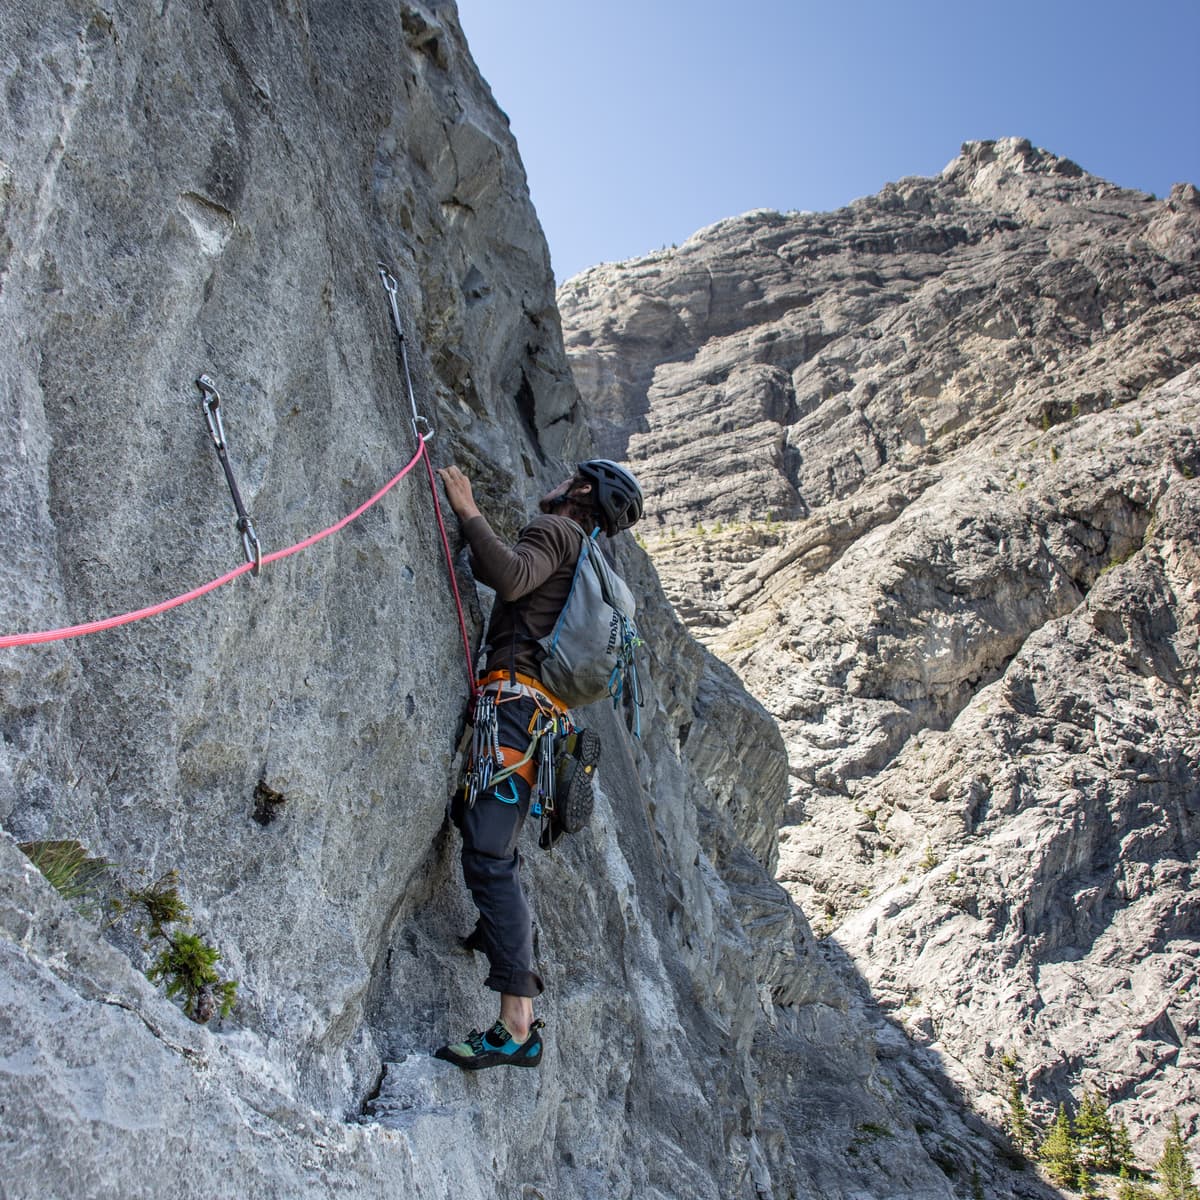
pixel 491 864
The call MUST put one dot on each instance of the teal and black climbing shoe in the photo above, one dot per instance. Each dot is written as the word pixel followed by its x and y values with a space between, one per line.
pixel 496 1048
pixel 573 799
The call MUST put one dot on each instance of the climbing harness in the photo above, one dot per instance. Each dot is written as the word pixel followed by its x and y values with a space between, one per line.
pixel 211 404
pixel 523 685
pixel 491 763
pixel 423 431
pixel 557 763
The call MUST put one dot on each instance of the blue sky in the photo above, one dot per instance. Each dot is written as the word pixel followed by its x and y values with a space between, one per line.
pixel 639 123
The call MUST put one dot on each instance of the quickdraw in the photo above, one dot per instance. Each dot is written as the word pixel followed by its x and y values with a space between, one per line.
pixel 423 431
pixel 485 748
pixel 211 404
pixel 549 729
pixel 421 427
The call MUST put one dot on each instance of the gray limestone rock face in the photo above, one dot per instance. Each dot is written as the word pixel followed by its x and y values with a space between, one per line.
pixel 924 472
pixel 188 188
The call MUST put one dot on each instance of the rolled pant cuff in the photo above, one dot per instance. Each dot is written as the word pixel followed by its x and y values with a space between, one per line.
pixel 515 982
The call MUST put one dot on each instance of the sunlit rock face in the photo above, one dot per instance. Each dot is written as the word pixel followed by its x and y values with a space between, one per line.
pixel 924 473
pixel 189 188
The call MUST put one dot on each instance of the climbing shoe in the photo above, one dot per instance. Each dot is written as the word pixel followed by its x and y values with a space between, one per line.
pixel 573 799
pixel 496 1048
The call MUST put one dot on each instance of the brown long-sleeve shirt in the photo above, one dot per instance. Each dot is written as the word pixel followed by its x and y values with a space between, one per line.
pixel 532 580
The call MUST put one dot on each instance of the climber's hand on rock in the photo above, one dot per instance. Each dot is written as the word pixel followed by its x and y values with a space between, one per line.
pixel 458 492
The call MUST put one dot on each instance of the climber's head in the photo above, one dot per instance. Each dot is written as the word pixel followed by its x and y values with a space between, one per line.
pixel 600 493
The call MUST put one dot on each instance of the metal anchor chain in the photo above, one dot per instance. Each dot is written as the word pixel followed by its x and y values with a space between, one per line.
pixel 211 405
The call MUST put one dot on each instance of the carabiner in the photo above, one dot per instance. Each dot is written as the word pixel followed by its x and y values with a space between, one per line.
pixel 211 403
pixel 250 546
pixel 392 288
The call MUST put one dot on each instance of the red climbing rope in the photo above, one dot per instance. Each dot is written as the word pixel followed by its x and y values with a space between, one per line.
pixel 58 635
pixel 462 620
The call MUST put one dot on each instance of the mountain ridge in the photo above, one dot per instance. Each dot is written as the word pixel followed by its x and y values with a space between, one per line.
pixel 912 456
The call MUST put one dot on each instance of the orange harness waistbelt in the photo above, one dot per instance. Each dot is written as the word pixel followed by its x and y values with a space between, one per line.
pixel 522 683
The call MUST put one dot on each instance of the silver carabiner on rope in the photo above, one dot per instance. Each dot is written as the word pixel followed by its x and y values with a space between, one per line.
pixel 211 404
pixel 250 547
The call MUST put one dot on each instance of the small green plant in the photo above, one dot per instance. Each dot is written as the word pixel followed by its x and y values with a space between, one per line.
pixel 872 1130
pixel 929 860
pixel 866 1133
pixel 1054 454
pixel 68 867
pixel 157 905
pixel 186 965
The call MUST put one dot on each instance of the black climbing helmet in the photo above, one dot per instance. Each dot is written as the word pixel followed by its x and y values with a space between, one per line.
pixel 617 493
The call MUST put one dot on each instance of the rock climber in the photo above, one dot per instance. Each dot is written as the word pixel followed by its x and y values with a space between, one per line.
pixel 532 580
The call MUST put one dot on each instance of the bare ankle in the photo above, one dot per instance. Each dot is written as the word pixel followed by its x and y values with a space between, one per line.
pixel 517 1014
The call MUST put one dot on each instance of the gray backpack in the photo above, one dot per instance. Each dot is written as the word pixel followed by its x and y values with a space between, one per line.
pixel 589 654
